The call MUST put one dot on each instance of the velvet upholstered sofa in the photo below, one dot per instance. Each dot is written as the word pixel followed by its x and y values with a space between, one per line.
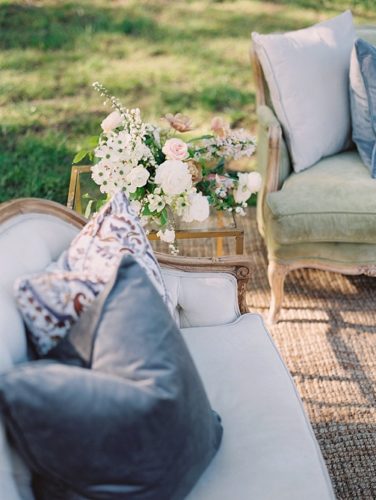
pixel 269 450
pixel 323 217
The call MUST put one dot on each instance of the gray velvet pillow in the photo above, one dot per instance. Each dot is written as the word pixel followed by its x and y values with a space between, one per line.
pixel 363 101
pixel 131 420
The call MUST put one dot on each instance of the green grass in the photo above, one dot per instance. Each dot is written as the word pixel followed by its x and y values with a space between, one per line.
pixel 162 56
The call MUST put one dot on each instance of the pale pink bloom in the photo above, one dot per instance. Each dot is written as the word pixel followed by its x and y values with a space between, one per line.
pixel 254 182
pixel 220 127
pixel 175 149
pixel 112 121
pixel 221 180
pixel 179 122
pixel 195 169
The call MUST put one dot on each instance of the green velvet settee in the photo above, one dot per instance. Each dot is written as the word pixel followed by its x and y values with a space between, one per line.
pixel 323 217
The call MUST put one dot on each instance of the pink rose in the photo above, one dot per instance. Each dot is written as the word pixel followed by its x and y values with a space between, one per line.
pixel 179 122
pixel 221 180
pixel 175 149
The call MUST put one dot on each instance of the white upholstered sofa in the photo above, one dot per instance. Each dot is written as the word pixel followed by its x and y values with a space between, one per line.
pixel 268 449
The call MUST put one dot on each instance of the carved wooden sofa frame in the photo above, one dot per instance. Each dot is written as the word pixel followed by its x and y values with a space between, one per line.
pixel 238 266
pixel 274 173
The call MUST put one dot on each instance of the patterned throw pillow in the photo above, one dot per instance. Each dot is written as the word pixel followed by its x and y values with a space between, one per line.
pixel 51 301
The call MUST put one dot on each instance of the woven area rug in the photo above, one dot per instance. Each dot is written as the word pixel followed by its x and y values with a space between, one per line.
pixel 327 337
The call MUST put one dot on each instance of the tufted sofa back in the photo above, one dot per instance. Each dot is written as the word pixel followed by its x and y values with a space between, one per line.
pixel 30 241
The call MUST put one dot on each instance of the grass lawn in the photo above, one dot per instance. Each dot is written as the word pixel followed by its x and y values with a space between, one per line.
pixel 162 56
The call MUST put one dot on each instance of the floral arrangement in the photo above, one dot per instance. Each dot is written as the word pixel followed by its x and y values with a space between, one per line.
pixel 165 175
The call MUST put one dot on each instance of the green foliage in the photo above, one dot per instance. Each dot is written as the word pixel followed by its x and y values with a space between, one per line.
pixel 182 56
pixel 141 26
pixel 88 151
pixel 52 26
pixel 34 165
pixel 80 155
pixel 225 97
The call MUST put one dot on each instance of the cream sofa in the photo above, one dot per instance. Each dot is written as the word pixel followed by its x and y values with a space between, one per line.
pixel 268 449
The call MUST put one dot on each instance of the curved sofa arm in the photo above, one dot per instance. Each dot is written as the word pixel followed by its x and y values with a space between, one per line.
pixel 239 267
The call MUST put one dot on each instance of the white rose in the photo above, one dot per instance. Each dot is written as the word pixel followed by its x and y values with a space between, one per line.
pixel 248 183
pixel 254 181
pixel 137 177
pixel 242 193
pixel 173 176
pixel 175 149
pixel 112 121
pixel 168 235
pixel 198 208
pixel 243 178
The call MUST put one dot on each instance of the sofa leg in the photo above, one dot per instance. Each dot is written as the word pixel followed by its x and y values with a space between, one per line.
pixel 276 275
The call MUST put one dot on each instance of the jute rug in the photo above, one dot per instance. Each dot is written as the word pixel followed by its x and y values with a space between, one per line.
pixel 327 337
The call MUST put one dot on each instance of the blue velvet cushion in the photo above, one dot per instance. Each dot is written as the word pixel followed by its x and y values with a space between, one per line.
pixel 363 101
pixel 123 413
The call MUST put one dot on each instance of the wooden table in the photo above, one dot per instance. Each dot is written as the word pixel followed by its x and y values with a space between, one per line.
pixel 219 225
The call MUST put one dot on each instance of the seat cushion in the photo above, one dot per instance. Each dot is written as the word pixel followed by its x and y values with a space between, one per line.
pixel 268 449
pixel 202 299
pixel 334 201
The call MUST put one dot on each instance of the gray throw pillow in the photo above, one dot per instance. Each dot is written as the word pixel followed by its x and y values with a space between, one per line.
pixel 363 101
pixel 126 415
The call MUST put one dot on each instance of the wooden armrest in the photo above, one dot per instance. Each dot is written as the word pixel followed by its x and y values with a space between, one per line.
pixel 21 206
pixel 238 266
pixel 270 131
pixel 270 127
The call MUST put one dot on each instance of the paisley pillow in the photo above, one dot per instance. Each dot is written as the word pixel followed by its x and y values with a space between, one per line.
pixel 52 301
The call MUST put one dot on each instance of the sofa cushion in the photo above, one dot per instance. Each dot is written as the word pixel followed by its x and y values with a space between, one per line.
pixel 139 421
pixel 202 299
pixel 52 301
pixel 268 449
pixel 363 101
pixel 334 201
pixel 307 75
